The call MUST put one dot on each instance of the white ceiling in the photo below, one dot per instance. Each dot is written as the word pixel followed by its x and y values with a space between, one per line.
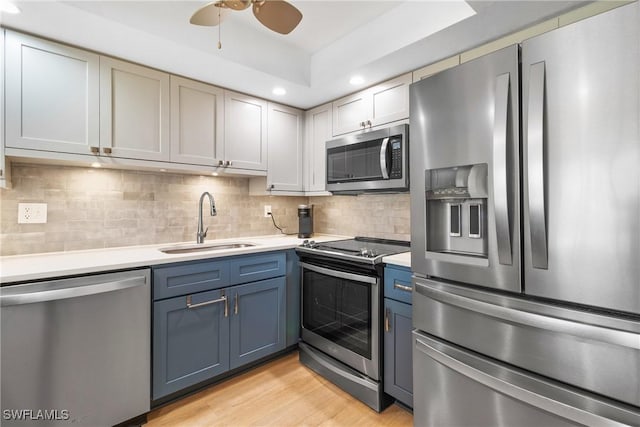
pixel 335 40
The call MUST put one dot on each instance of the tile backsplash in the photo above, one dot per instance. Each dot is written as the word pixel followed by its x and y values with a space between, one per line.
pixel 383 216
pixel 99 208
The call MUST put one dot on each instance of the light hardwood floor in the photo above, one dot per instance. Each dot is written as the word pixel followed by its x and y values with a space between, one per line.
pixel 280 393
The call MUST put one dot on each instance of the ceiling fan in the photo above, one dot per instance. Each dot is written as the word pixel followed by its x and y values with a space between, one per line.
pixel 277 15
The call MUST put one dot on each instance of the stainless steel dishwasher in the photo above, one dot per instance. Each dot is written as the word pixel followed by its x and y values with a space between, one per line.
pixel 76 351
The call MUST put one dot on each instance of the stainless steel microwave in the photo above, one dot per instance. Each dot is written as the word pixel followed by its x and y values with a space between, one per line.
pixel 372 161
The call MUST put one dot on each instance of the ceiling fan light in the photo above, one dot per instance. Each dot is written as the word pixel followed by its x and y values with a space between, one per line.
pixel 237 4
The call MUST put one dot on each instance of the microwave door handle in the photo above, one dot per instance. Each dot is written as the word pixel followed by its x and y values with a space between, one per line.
pixel 535 167
pixel 500 193
pixel 384 164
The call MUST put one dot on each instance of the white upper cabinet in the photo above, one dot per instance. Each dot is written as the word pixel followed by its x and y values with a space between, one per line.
pixel 245 132
pixel 384 103
pixel 197 123
pixel 285 148
pixel 351 113
pixel 390 100
pixel 134 111
pixel 318 131
pixel 52 94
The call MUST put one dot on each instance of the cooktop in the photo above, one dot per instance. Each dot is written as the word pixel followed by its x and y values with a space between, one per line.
pixel 367 249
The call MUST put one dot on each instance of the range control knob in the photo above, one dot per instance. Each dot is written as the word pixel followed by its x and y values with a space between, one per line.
pixel 367 253
pixel 305 243
pixel 313 244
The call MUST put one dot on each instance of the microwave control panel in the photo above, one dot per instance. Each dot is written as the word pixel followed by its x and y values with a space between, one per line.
pixel 396 157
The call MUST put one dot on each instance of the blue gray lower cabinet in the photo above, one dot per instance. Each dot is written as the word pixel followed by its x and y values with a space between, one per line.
pixel 257 326
pixel 216 327
pixel 190 345
pixel 398 345
pixel 398 367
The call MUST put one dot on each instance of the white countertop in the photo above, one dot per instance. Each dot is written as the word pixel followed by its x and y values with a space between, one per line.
pixel 403 259
pixel 21 268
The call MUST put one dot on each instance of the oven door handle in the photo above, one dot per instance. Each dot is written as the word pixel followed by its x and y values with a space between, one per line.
pixel 339 274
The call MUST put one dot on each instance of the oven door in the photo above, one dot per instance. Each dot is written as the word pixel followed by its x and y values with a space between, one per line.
pixel 340 316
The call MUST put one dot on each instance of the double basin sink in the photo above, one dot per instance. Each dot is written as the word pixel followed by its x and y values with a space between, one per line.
pixel 204 247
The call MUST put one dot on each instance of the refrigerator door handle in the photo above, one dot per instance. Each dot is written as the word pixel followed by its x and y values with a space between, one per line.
pixel 518 389
pixel 535 166
pixel 530 319
pixel 500 191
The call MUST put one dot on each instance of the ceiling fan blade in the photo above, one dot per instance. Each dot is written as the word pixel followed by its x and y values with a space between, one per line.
pixel 209 15
pixel 277 15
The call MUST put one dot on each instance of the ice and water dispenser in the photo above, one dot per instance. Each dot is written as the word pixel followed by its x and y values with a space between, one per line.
pixel 456 199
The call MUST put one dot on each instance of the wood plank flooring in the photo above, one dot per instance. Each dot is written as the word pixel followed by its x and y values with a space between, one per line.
pixel 280 393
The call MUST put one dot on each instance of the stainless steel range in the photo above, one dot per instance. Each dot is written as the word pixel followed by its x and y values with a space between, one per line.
pixel 342 284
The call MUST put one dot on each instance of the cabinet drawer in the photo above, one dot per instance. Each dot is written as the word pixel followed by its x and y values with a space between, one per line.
pixel 258 267
pixel 397 284
pixel 189 278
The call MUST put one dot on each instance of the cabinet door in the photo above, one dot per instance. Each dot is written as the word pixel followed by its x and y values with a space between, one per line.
pixel 197 120
pixel 390 100
pixel 350 112
pixel 318 126
pixel 134 111
pixel 398 372
pixel 51 96
pixel 257 325
pixel 285 148
pixel 190 345
pixel 245 132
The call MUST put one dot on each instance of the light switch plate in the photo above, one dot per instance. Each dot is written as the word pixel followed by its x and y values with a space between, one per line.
pixel 32 213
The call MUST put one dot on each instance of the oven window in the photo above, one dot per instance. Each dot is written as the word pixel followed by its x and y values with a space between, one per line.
pixel 354 162
pixel 338 310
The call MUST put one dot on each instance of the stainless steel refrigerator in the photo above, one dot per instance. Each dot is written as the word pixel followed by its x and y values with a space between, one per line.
pixel 525 231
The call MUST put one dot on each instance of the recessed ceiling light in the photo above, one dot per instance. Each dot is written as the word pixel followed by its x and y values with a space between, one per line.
pixel 356 80
pixel 8 7
pixel 96 165
pixel 214 173
pixel 163 170
pixel 279 91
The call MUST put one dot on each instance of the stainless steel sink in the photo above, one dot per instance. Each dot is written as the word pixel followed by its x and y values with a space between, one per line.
pixel 203 247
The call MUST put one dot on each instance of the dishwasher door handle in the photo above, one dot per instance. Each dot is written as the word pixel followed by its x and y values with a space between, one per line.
pixel 20 295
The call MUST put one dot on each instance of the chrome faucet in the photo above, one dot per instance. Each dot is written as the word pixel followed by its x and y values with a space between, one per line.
pixel 200 235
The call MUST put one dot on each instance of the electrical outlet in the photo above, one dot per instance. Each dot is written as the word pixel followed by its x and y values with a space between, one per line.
pixel 32 213
pixel 267 211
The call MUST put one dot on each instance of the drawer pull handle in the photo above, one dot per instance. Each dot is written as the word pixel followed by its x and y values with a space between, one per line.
pixel 202 304
pixel 405 288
